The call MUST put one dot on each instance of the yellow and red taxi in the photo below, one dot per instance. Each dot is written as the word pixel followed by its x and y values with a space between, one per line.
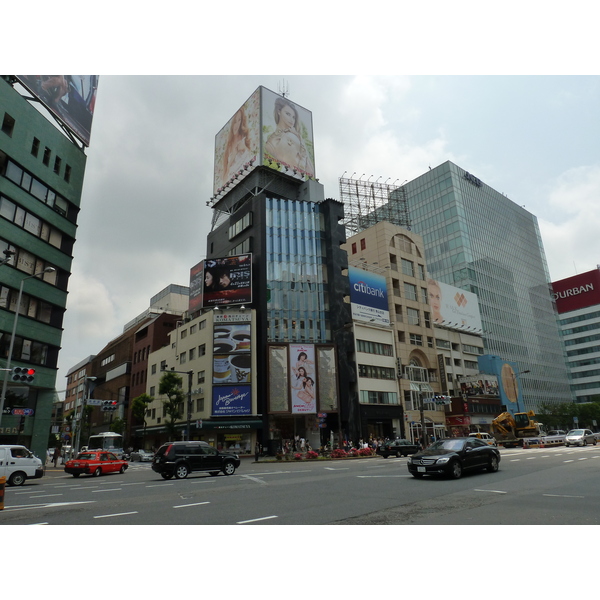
pixel 95 462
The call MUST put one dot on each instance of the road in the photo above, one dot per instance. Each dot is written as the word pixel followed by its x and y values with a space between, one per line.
pixel 533 487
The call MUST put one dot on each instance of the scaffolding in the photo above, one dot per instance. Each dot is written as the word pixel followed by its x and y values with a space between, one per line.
pixel 366 204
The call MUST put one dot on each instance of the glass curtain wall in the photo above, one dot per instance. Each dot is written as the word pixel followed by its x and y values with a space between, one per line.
pixel 296 274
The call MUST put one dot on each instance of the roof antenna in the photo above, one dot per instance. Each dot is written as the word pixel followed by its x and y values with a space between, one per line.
pixel 283 88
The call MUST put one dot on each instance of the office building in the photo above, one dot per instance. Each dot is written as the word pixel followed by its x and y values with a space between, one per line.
pixel 480 241
pixel 42 164
pixel 578 305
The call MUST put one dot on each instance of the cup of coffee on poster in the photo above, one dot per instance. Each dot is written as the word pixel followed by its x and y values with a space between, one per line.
pixel 221 369
pixel 221 332
pixel 241 366
pixel 241 341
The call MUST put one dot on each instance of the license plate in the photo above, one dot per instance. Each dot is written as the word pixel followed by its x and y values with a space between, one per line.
pixel 420 469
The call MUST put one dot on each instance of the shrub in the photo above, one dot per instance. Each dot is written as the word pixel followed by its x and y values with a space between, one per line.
pixel 311 454
pixel 297 456
pixel 338 453
pixel 365 452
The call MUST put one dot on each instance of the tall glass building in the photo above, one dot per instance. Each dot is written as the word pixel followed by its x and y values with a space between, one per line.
pixel 479 240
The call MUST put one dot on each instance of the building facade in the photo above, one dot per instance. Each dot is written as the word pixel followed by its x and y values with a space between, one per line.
pixel 41 179
pixel 578 305
pixel 478 240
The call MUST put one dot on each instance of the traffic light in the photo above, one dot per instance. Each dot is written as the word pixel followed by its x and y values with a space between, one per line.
pixel 109 405
pixel 24 374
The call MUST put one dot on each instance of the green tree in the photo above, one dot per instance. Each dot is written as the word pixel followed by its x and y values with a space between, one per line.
pixel 139 406
pixel 170 386
pixel 118 425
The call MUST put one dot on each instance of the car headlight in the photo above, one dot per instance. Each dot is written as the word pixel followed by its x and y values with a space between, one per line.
pixel 442 461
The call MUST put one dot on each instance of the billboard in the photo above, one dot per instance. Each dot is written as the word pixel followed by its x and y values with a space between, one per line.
pixel 303 386
pixel 287 136
pixel 238 144
pixel 227 280
pixel 270 130
pixel 70 98
pixel 579 291
pixel 368 296
pixel 232 400
pixel 196 287
pixel 232 360
pixel 478 385
pixel 453 307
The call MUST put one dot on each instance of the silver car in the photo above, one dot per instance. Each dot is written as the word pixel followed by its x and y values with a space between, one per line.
pixel 141 456
pixel 580 437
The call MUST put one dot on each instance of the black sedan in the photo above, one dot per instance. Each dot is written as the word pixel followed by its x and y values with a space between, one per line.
pixel 397 448
pixel 453 456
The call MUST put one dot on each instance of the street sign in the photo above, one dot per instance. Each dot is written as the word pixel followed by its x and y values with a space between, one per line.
pixel 22 412
pixel 93 402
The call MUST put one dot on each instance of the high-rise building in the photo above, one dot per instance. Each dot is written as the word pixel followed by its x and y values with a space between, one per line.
pixel 479 240
pixel 41 178
pixel 267 203
pixel 578 305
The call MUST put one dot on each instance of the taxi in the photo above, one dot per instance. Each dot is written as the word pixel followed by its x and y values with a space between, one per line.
pixel 95 462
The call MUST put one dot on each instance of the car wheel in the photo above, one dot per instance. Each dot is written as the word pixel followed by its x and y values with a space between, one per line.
pixel 76 474
pixel 214 473
pixel 417 475
pixel 398 454
pixel 17 478
pixel 166 475
pixel 98 472
pixel 455 470
pixel 228 468
pixel 122 469
pixel 493 464
pixel 181 471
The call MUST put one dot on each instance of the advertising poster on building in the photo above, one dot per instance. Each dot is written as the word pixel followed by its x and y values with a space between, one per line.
pixel 579 291
pixel 237 145
pixel 287 136
pixel 479 385
pixel 453 307
pixel 227 280
pixel 303 386
pixel 327 378
pixel 368 296
pixel 196 287
pixel 70 98
pixel 232 360
pixel 231 400
pixel 278 379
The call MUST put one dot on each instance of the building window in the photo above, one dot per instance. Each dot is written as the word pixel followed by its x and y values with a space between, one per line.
pixel 408 268
pixel 412 316
pixel 372 397
pixel 67 173
pixel 200 405
pixel 153 369
pixel 35 147
pixel 193 329
pixel 47 153
pixel 363 244
pixel 8 125
pixel 182 358
pixel 201 376
pixel 57 162
pixel 202 350
pixel 416 340
pixel 192 353
pixel 410 291
pixel 354 250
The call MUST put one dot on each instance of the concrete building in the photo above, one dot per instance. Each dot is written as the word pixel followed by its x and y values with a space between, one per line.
pixel 578 305
pixel 41 178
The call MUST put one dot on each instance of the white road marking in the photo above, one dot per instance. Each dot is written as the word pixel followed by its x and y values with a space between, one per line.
pixel 194 504
pixel 116 515
pixel 254 520
pixel 110 490
pixel 561 496
pixel 491 491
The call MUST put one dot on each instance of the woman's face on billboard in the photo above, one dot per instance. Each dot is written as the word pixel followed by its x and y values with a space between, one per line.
pixel 287 117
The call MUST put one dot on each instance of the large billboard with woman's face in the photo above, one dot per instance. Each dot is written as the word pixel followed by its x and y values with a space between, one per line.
pixel 227 280
pixel 269 130
pixel 453 307
pixel 70 98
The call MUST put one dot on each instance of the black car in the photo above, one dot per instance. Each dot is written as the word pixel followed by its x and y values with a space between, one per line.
pixel 397 448
pixel 453 456
pixel 179 459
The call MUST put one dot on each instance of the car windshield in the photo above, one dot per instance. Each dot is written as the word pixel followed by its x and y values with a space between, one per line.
pixel 86 456
pixel 576 432
pixel 447 444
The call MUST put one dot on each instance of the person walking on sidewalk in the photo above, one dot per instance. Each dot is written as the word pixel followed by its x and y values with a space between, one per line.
pixel 56 456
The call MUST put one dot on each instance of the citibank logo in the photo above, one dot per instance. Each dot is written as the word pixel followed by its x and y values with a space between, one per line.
pixel 365 288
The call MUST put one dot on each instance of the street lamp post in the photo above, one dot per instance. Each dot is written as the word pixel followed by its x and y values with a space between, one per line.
pixel 14 333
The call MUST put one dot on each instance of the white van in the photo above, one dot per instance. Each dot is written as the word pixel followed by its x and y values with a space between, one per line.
pixel 488 438
pixel 18 464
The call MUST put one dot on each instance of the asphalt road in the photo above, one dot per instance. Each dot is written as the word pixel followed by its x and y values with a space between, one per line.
pixel 533 487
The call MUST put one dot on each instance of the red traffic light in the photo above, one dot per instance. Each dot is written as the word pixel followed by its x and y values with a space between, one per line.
pixel 24 374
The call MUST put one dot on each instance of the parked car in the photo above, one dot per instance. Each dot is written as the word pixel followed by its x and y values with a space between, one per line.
pixel 397 448
pixel 141 456
pixel 580 437
pixel 488 438
pixel 554 432
pixel 95 462
pixel 454 456
pixel 17 464
pixel 179 459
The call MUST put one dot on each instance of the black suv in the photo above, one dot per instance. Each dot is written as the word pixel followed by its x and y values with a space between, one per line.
pixel 397 448
pixel 181 458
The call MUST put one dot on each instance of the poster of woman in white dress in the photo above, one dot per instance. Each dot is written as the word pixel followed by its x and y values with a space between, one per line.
pixel 302 379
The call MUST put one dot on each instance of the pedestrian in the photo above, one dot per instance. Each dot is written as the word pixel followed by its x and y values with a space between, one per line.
pixel 56 456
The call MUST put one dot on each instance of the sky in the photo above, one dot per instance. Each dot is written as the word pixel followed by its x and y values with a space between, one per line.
pixel 144 216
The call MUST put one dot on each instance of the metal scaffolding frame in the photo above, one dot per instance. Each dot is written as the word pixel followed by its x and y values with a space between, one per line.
pixel 366 204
